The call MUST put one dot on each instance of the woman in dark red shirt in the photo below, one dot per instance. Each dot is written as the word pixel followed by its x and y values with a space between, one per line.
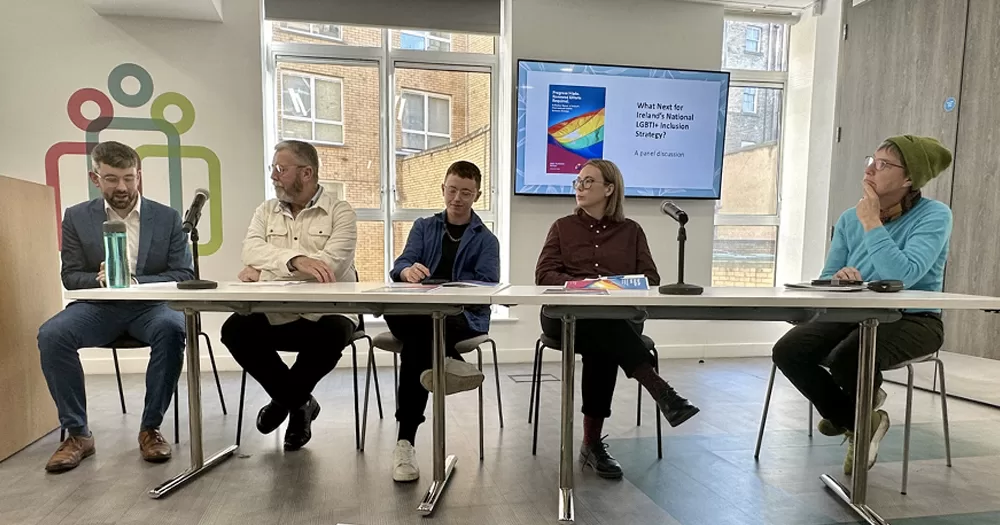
pixel 598 240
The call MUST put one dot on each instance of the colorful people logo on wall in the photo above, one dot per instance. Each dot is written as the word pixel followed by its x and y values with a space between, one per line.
pixel 173 151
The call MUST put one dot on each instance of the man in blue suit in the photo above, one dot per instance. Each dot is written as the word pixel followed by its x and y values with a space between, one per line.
pixel 453 245
pixel 158 252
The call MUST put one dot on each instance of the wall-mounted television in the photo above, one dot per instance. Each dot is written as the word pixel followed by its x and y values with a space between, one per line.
pixel 664 128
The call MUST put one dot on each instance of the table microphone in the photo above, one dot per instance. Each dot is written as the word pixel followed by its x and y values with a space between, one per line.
pixel 190 226
pixel 680 287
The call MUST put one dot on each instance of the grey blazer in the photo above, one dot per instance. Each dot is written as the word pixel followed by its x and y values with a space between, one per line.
pixel 164 253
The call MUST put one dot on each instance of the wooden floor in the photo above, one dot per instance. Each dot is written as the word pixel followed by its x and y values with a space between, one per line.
pixel 708 474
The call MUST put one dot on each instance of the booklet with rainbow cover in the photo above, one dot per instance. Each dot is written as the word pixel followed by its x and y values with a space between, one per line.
pixel 613 282
pixel 576 127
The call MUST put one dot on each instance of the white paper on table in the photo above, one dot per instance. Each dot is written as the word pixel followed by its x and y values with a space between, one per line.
pixel 268 283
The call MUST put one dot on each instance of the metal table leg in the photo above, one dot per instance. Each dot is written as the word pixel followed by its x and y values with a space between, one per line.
pixel 443 465
pixel 566 509
pixel 858 496
pixel 198 462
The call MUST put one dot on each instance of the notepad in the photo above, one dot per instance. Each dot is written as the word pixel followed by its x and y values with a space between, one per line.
pixel 825 288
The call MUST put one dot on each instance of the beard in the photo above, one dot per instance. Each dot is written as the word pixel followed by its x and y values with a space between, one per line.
pixel 289 195
pixel 121 200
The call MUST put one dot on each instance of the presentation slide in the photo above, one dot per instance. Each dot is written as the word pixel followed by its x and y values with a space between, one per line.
pixel 664 128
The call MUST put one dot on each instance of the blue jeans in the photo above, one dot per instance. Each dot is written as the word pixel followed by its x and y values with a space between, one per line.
pixel 90 324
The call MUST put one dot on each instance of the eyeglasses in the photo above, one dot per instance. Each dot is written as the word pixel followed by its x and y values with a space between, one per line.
pixel 114 179
pixel 451 191
pixel 281 170
pixel 585 183
pixel 880 164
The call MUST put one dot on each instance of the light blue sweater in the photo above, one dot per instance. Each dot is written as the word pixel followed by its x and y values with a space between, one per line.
pixel 912 248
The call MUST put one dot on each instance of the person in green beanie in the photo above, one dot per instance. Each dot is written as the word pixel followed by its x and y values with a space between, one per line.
pixel 893 233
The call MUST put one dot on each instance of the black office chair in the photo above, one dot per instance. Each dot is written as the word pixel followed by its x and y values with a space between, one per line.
pixel 358 335
pixel 127 342
pixel 544 342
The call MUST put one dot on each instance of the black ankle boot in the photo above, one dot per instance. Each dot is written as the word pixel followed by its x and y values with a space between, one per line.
pixel 675 408
pixel 596 456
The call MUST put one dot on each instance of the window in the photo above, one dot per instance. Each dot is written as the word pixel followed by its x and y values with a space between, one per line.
pixel 426 120
pixel 749 100
pixel 425 40
pixel 328 31
pixel 752 42
pixel 746 217
pixel 312 108
pixel 390 170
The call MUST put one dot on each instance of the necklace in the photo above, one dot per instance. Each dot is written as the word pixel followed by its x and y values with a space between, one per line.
pixel 450 236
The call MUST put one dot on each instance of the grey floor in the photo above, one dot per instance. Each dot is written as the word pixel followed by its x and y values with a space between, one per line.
pixel 708 474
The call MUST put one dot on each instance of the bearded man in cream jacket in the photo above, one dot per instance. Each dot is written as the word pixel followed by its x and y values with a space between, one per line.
pixel 303 234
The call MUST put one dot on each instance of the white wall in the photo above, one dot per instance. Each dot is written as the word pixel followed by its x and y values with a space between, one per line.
pixel 217 66
pixel 654 33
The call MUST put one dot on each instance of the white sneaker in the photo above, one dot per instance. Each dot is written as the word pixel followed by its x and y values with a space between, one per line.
pixel 879 400
pixel 404 462
pixel 459 377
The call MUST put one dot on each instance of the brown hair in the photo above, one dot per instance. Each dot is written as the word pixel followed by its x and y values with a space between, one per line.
pixel 464 169
pixel 304 151
pixel 615 209
pixel 891 147
pixel 114 154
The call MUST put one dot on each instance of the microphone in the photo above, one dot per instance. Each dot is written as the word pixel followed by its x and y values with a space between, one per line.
pixel 193 214
pixel 674 212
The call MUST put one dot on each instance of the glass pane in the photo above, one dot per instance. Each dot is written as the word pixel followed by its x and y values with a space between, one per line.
pixel 757 46
pixel 463 101
pixel 443 41
pixel 296 129
pixel 750 169
pixel 353 158
pixel 296 96
pixel 333 34
pixel 368 256
pixel 413 112
pixel 439 115
pixel 329 100
pixel 744 256
pixel 330 133
pixel 413 141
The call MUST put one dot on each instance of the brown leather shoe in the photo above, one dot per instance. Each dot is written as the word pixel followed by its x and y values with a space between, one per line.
pixel 70 453
pixel 153 447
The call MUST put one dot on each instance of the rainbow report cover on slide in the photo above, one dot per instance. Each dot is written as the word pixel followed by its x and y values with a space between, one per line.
pixel 576 127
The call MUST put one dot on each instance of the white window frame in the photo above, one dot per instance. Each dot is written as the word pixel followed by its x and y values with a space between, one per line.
pixel 311 32
pixel 427 36
pixel 387 59
pixel 425 96
pixel 752 93
pixel 312 110
pixel 746 78
pixel 746 39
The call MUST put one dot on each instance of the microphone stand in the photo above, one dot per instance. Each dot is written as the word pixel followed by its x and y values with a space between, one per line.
pixel 680 287
pixel 197 283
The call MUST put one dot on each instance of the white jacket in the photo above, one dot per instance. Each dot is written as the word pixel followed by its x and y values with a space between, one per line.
pixel 326 230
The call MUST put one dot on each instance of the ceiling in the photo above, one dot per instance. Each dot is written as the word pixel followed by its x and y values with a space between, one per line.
pixel 207 10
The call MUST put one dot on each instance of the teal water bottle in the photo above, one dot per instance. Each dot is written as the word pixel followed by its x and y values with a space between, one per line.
pixel 116 268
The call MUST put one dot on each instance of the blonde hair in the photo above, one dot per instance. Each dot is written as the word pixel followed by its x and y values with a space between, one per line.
pixel 615 209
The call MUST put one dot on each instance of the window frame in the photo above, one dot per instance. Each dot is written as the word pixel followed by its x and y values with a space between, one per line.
pixel 312 34
pixel 754 79
pixel 426 97
pixel 746 39
pixel 313 120
pixel 387 59
pixel 750 92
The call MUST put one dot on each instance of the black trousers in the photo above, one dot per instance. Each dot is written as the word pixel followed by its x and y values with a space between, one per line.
pixel 254 343
pixel 417 334
pixel 605 345
pixel 821 359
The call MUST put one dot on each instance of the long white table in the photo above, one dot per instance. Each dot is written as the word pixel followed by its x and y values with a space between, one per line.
pixel 868 309
pixel 357 298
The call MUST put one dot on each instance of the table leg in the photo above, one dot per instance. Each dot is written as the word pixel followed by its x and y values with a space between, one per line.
pixel 198 462
pixel 858 496
pixel 443 465
pixel 566 509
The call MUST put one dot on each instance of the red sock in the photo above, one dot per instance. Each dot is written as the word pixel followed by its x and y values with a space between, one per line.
pixel 648 378
pixel 592 429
